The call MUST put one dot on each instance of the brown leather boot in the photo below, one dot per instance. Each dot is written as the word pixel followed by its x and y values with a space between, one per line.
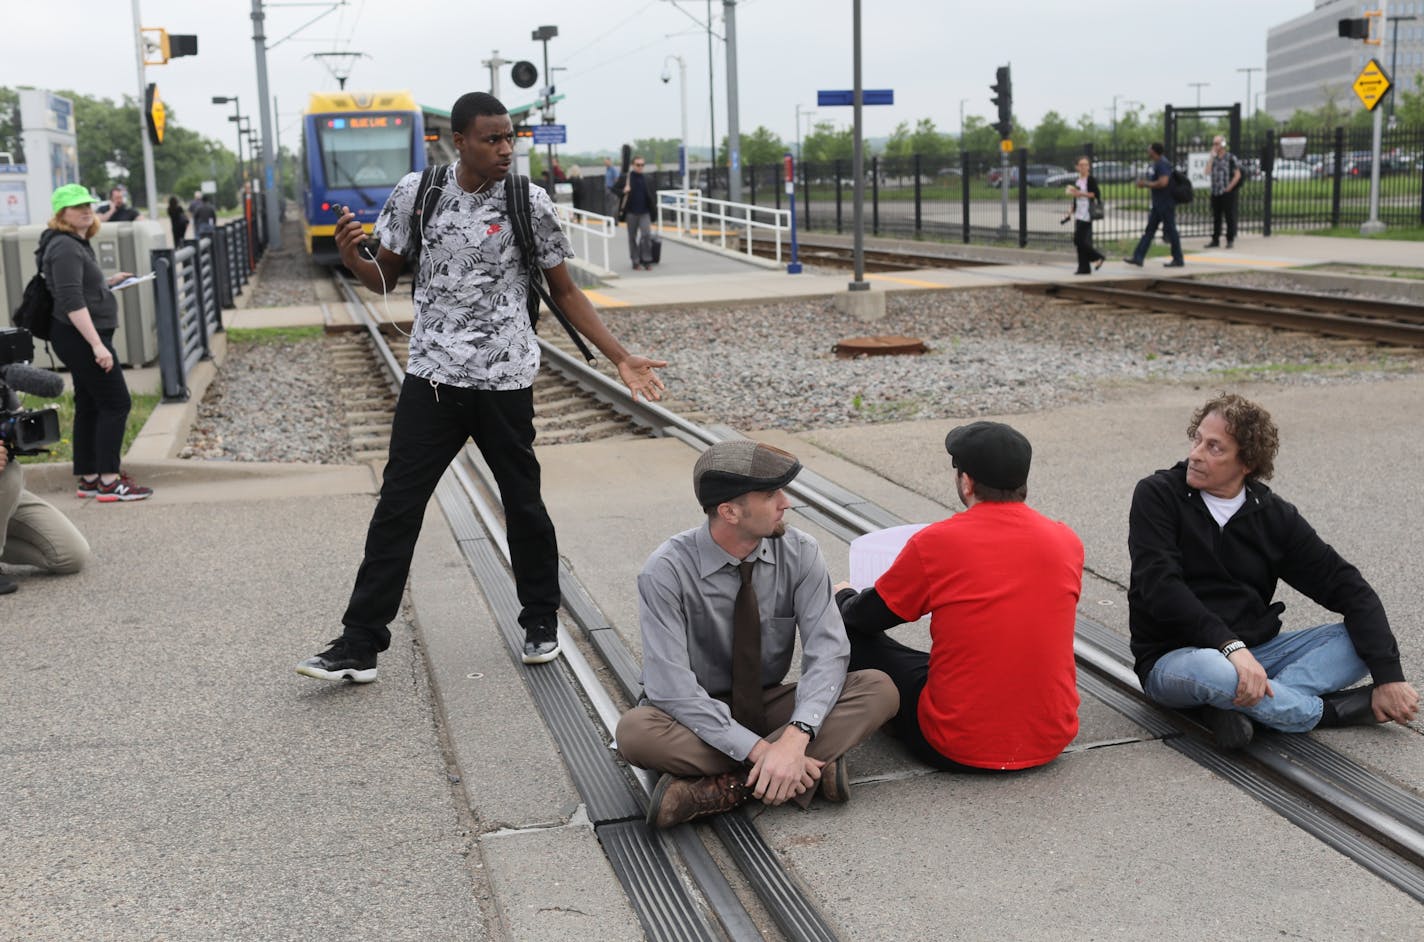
pixel 679 800
pixel 835 781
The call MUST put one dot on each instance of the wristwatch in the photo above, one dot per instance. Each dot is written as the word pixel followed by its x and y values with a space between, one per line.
pixel 1231 648
pixel 804 727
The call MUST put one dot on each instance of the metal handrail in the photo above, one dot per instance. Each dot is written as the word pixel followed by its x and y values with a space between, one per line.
pixel 588 225
pixel 695 214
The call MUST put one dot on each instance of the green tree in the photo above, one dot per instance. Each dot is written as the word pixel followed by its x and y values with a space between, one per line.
pixel 759 148
pixel 932 146
pixel 10 125
pixel 1408 110
pixel 1053 136
pixel 825 144
pixel 657 150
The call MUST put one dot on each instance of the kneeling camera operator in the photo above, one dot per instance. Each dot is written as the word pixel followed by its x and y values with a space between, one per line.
pixel 32 532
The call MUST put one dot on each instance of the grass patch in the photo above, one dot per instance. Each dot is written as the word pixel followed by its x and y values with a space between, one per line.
pixel 1373 271
pixel 143 406
pixel 274 334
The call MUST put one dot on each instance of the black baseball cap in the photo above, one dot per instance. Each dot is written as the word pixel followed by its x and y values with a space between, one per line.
pixel 992 453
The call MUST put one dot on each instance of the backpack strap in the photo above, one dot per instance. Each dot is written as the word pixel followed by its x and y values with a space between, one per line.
pixel 420 213
pixel 517 202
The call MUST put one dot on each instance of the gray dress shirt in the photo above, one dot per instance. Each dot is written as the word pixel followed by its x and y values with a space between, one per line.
pixel 686 593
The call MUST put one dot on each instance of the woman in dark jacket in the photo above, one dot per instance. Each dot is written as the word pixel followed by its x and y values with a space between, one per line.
pixel 178 219
pixel 86 314
pixel 1084 192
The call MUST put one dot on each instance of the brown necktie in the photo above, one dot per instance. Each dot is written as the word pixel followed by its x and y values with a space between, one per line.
pixel 747 706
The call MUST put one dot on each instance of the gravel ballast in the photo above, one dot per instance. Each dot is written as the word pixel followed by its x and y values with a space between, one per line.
pixel 990 351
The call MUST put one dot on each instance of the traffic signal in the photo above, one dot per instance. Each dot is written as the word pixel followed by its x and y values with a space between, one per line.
pixel 159 45
pixel 1004 99
pixel 1355 29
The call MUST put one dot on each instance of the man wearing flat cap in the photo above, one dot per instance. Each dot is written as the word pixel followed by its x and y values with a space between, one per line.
pixel 998 688
pixel 720 607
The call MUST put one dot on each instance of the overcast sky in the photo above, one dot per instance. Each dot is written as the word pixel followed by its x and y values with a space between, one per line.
pixel 1072 58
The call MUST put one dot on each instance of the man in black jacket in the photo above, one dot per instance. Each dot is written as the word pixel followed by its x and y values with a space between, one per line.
pixel 1208 543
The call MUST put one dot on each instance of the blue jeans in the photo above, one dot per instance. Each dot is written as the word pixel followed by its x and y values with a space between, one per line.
pixel 1167 219
pixel 1301 665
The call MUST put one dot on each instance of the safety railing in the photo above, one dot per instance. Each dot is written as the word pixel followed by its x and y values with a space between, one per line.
pixel 583 225
pixel 695 216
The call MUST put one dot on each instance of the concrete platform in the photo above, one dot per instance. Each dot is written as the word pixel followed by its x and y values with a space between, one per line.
pixel 169 776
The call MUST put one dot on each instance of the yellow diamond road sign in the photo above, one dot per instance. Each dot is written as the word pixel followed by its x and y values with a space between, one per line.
pixel 1371 84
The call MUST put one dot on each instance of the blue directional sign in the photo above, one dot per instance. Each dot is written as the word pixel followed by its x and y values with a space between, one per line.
pixel 868 96
pixel 551 134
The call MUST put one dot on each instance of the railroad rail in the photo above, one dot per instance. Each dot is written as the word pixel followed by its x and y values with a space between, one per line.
pixel 1373 821
pixel 1357 318
pixel 876 260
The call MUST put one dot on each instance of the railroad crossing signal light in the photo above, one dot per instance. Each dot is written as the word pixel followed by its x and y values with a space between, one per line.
pixel 1355 29
pixel 1004 99
pixel 156 116
pixel 523 130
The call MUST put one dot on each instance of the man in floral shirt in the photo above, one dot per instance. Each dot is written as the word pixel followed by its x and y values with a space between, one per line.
pixel 473 358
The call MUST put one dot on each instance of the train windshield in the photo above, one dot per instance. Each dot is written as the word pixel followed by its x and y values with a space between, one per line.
pixel 365 150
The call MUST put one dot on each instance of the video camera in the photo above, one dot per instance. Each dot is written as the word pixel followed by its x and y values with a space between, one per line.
pixel 25 431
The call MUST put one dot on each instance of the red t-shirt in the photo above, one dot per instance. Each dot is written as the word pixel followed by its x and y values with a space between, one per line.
pixel 1002 582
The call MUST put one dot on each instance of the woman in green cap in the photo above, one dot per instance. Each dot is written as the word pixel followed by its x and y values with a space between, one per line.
pixel 86 314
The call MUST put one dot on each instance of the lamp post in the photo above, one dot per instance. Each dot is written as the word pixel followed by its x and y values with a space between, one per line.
pixel 1394 59
pixel 1198 86
pixel 543 34
pixel 961 122
pixel 235 117
pixel 1248 71
pixel 799 112
pixel 682 81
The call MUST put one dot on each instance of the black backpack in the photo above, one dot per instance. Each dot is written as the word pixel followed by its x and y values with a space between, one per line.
pixel 36 310
pixel 516 193
pixel 1179 185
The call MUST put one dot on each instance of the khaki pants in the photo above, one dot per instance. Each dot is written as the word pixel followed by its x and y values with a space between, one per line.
pixel 33 532
pixel 650 739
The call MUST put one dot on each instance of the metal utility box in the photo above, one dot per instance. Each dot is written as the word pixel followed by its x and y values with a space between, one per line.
pixel 123 246
pixel 126 246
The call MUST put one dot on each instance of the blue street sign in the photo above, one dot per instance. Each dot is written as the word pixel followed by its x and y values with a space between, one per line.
pixel 868 96
pixel 551 134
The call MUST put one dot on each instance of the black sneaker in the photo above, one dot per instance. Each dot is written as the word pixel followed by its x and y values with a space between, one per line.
pixel 541 643
pixel 87 487
pixel 341 661
pixel 1132 261
pixel 1232 730
pixel 7 585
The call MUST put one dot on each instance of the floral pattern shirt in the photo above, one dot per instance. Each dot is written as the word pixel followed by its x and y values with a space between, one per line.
pixel 471 319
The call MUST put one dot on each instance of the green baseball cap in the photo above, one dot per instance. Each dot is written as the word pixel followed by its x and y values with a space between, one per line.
pixel 71 194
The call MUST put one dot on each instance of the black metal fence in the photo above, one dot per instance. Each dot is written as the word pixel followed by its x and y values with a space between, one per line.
pixel 960 198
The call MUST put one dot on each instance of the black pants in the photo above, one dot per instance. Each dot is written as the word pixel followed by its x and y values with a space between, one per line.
pixel 908 669
pixel 432 424
pixel 1083 241
pixel 101 401
pixel 1223 205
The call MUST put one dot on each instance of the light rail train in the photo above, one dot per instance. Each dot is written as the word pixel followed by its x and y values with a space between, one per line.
pixel 355 147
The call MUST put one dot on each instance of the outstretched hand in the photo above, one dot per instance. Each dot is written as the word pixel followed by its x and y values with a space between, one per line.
pixel 637 374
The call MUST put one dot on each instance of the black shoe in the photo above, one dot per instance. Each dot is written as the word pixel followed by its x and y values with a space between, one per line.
pixel 1232 730
pixel 1175 264
pixel 1348 708
pixel 341 661
pixel 1214 244
pixel 541 643
pixel 1099 263
pixel 1132 261
pixel 1082 273
pixel 7 585
pixel 1230 243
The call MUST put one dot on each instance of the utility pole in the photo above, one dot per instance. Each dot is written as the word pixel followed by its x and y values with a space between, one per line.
pixel 711 103
pixel 149 179
pixel 734 142
pixel 1198 86
pixel 1373 225
pixel 1394 22
pixel 799 112
pixel 544 34
pixel 493 63
pixel 269 190
pixel 1248 71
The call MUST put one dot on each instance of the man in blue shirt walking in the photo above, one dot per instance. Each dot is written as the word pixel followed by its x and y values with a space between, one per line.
pixel 1164 209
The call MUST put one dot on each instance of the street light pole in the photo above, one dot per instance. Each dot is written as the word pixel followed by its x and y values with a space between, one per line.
pixel 544 34
pixel 682 83
pixel 1394 59
pixel 1198 86
pixel 734 142
pixel 236 117
pixel 264 101
pixel 961 122
pixel 1373 225
pixel 493 63
pixel 800 111
pixel 1248 71
pixel 148 173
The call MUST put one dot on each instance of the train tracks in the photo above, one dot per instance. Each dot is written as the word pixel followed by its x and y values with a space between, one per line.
pixel 1355 318
pixel 876 260
pixel 1371 820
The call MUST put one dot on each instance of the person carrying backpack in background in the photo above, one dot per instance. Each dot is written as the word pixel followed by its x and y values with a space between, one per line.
pixel 1164 209
pixel 85 317
pixel 1224 171
pixel 473 358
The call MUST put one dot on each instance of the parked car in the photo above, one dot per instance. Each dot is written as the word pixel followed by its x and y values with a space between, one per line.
pixel 1114 171
pixel 1059 177
pixel 1286 169
pixel 1038 175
